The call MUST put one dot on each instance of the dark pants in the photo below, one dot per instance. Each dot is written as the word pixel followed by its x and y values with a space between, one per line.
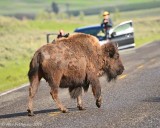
pixel 107 34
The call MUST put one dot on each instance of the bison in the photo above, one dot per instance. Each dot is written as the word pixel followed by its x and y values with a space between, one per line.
pixel 75 62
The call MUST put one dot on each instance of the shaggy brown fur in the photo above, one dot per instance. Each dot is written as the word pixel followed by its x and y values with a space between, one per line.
pixel 75 63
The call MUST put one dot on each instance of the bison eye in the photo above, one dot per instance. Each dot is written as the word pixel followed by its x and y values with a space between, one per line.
pixel 111 54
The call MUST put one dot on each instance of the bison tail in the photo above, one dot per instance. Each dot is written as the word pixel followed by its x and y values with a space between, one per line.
pixel 75 91
pixel 34 66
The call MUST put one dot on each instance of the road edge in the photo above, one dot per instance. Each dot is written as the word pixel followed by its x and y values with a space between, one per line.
pixel 15 89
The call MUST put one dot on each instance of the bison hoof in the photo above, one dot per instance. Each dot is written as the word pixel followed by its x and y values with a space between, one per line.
pixel 30 113
pixel 98 103
pixel 81 108
pixel 64 110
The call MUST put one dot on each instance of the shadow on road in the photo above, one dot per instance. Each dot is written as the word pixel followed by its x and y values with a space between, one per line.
pixel 12 115
pixel 19 114
pixel 152 99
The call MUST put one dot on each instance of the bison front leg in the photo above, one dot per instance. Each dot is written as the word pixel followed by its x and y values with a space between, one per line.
pixel 79 103
pixel 54 94
pixel 96 89
pixel 54 83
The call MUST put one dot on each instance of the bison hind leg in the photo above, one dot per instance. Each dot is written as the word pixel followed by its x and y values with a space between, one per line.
pixel 34 83
pixel 75 91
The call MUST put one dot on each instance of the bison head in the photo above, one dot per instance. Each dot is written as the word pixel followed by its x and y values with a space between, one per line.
pixel 112 64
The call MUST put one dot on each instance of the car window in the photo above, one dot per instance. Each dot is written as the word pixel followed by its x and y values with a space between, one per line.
pixel 101 36
pixel 97 31
pixel 100 33
pixel 93 32
pixel 122 29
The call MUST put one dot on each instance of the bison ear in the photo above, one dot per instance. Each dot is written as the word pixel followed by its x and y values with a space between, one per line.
pixel 115 44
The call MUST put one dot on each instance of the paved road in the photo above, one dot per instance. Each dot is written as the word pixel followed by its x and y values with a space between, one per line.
pixel 133 101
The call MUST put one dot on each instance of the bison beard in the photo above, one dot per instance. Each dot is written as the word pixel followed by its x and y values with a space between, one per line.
pixel 75 62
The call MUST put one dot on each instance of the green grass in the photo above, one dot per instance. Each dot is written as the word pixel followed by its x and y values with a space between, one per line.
pixel 54 26
pixel 13 73
pixel 146 31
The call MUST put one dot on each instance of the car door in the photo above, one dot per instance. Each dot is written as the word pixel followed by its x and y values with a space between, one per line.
pixel 123 34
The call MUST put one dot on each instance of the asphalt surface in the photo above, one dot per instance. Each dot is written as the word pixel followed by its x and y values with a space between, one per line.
pixel 133 101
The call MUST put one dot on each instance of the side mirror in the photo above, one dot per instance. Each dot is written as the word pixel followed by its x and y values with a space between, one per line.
pixel 113 34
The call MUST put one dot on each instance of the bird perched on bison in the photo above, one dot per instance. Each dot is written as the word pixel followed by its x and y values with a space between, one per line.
pixel 75 62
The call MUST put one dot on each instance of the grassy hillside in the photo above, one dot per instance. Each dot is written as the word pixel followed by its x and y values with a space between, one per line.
pixel 121 7
pixel 37 6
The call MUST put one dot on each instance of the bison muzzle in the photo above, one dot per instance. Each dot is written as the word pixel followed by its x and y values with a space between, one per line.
pixel 75 62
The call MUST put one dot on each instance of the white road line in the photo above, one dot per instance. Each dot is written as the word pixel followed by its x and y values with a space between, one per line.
pixel 15 89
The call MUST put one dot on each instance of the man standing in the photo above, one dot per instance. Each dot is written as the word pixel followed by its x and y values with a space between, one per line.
pixel 106 23
pixel 62 34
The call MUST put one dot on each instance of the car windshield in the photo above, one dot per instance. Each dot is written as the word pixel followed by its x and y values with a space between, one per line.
pixel 95 31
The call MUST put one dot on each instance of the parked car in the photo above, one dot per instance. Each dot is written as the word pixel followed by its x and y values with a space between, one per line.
pixel 123 34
